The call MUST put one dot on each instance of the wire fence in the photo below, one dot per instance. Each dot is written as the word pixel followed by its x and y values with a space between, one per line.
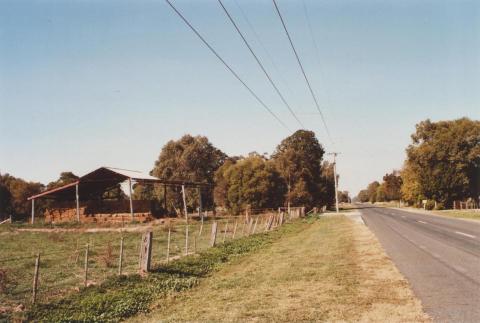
pixel 43 267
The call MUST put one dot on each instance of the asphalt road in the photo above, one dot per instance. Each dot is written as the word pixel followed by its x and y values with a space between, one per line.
pixel 439 256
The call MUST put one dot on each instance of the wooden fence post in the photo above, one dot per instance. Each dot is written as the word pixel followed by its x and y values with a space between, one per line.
pixel 234 229
pixel 201 226
pixel 255 226
pixel 35 278
pixel 213 236
pixel 250 225
pixel 269 223
pixel 168 244
pixel 85 275
pixel 225 231
pixel 120 261
pixel 146 252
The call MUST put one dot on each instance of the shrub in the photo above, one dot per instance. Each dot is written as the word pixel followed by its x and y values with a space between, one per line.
pixel 430 205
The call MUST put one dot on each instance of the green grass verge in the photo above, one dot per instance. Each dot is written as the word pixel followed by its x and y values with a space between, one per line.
pixel 122 297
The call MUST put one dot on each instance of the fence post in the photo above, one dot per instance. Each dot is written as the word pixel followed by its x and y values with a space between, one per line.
pixel 225 231
pixel 269 223
pixel 255 225
pixel 146 252
pixel 213 236
pixel 201 226
pixel 35 278
pixel 85 276
pixel 234 229
pixel 120 261
pixel 250 225
pixel 168 244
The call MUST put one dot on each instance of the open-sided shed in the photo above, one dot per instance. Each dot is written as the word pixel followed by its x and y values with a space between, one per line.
pixel 95 183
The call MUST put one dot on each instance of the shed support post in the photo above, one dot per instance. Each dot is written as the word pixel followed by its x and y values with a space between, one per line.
pixel 78 203
pixel 186 219
pixel 184 203
pixel 33 211
pixel 131 202
pixel 200 198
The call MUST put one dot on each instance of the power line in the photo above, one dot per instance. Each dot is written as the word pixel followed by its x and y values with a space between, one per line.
pixel 310 30
pixel 226 65
pixel 260 64
pixel 302 69
pixel 259 40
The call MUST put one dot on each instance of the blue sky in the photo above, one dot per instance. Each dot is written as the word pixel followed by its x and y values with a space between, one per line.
pixel 107 83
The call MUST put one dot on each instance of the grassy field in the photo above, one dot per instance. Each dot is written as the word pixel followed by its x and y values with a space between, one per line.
pixel 327 269
pixel 121 297
pixel 330 270
pixel 465 214
pixel 62 254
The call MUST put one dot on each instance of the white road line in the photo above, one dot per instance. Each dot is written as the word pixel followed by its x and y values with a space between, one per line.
pixel 465 234
pixel 460 269
pixel 422 222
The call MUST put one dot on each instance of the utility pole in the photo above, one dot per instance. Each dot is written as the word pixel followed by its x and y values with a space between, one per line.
pixel 335 177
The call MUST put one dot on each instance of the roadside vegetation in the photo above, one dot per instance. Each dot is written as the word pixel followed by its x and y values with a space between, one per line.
pixel 332 270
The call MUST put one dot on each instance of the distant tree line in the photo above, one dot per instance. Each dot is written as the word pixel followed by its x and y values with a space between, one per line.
pixel 295 174
pixel 388 190
pixel 442 165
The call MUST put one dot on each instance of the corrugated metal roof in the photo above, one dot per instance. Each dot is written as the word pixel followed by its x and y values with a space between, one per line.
pixel 105 178
pixel 133 174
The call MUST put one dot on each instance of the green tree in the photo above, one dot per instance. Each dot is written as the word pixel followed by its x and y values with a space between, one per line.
pixel 5 201
pixel 392 184
pixel 298 159
pixel 20 190
pixel 410 189
pixel 380 194
pixel 327 185
pixel 343 197
pixel 64 179
pixel 222 184
pixel 363 196
pixel 445 158
pixel 250 182
pixel 190 159
pixel 372 191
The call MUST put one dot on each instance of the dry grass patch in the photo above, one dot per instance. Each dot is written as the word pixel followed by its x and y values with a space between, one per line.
pixel 463 214
pixel 334 270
